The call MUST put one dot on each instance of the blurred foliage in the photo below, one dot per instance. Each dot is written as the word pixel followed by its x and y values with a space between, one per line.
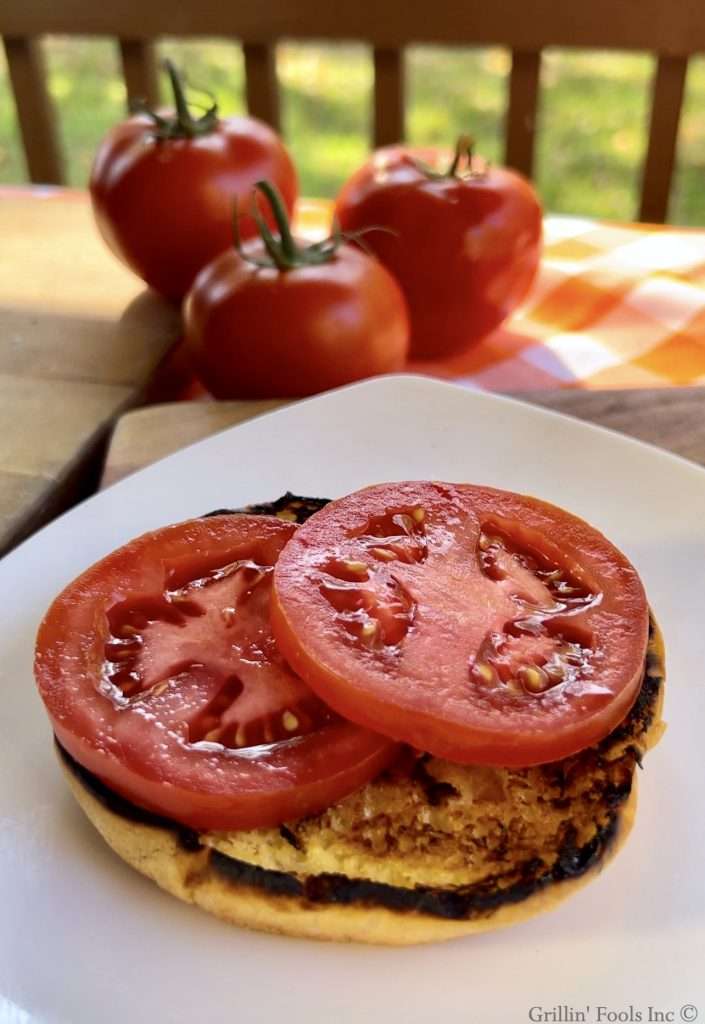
pixel 593 116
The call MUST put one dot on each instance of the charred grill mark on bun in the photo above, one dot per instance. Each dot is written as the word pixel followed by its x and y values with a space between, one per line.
pixel 187 837
pixel 464 903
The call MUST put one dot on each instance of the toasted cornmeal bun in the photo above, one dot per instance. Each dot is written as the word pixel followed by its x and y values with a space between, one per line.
pixel 428 851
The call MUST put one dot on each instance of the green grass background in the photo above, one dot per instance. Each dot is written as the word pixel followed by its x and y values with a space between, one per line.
pixel 593 115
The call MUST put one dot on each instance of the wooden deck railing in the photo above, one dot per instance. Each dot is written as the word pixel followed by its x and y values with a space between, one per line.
pixel 672 32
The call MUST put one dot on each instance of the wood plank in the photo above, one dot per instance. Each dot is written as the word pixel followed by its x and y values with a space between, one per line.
pixel 49 449
pixel 666 104
pixel 677 28
pixel 68 309
pixel 389 90
pixel 35 111
pixel 668 417
pixel 56 426
pixel 80 340
pixel 522 110
pixel 121 351
pixel 145 435
pixel 261 83
pixel 139 70
pixel 20 491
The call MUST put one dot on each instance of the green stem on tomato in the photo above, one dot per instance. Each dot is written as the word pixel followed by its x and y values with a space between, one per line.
pixel 463 148
pixel 272 245
pixel 288 245
pixel 460 166
pixel 184 120
pixel 283 252
pixel 181 124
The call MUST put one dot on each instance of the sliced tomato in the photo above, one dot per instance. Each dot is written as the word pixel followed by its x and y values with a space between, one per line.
pixel 161 676
pixel 475 624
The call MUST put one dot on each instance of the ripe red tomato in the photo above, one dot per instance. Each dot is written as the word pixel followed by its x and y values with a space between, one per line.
pixel 275 319
pixel 478 625
pixel 163 192
pixel 160 674
pixel 464 245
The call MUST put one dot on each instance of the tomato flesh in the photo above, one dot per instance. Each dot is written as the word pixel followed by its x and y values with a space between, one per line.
pixel 476 624
pixel 161 675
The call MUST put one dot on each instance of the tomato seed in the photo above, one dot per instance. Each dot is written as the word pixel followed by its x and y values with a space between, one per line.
pixel 484 671
pixel 357 568
pixel 290 721
pixel 368 630
pixel 228 615
pixel 535 680
pixel 384 554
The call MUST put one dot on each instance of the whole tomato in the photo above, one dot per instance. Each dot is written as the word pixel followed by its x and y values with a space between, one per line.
pixel 163 186
pixel 464 244
pixel 272 318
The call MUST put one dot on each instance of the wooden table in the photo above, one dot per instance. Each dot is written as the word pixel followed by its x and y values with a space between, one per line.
pixel 79 340
pixel 671 417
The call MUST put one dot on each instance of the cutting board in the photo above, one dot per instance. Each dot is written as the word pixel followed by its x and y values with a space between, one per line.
pixel 673 418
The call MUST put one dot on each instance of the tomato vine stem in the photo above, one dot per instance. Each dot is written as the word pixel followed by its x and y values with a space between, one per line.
pixel 461 166
pixel 182 124
pixel 463 149
pixel 283 251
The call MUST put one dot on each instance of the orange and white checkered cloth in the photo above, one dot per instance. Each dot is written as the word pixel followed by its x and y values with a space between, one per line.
pixel 613 306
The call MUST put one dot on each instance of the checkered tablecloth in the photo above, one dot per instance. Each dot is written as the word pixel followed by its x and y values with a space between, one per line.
pixel 614 306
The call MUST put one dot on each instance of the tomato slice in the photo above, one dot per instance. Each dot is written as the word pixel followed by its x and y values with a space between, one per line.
pixel 475 624
pixel 161 676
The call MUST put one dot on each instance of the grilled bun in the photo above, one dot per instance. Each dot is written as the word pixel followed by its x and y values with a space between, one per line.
pixel 428 851
pixel 190 875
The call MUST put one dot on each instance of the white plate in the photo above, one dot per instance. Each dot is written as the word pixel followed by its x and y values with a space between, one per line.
pixel 85 939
